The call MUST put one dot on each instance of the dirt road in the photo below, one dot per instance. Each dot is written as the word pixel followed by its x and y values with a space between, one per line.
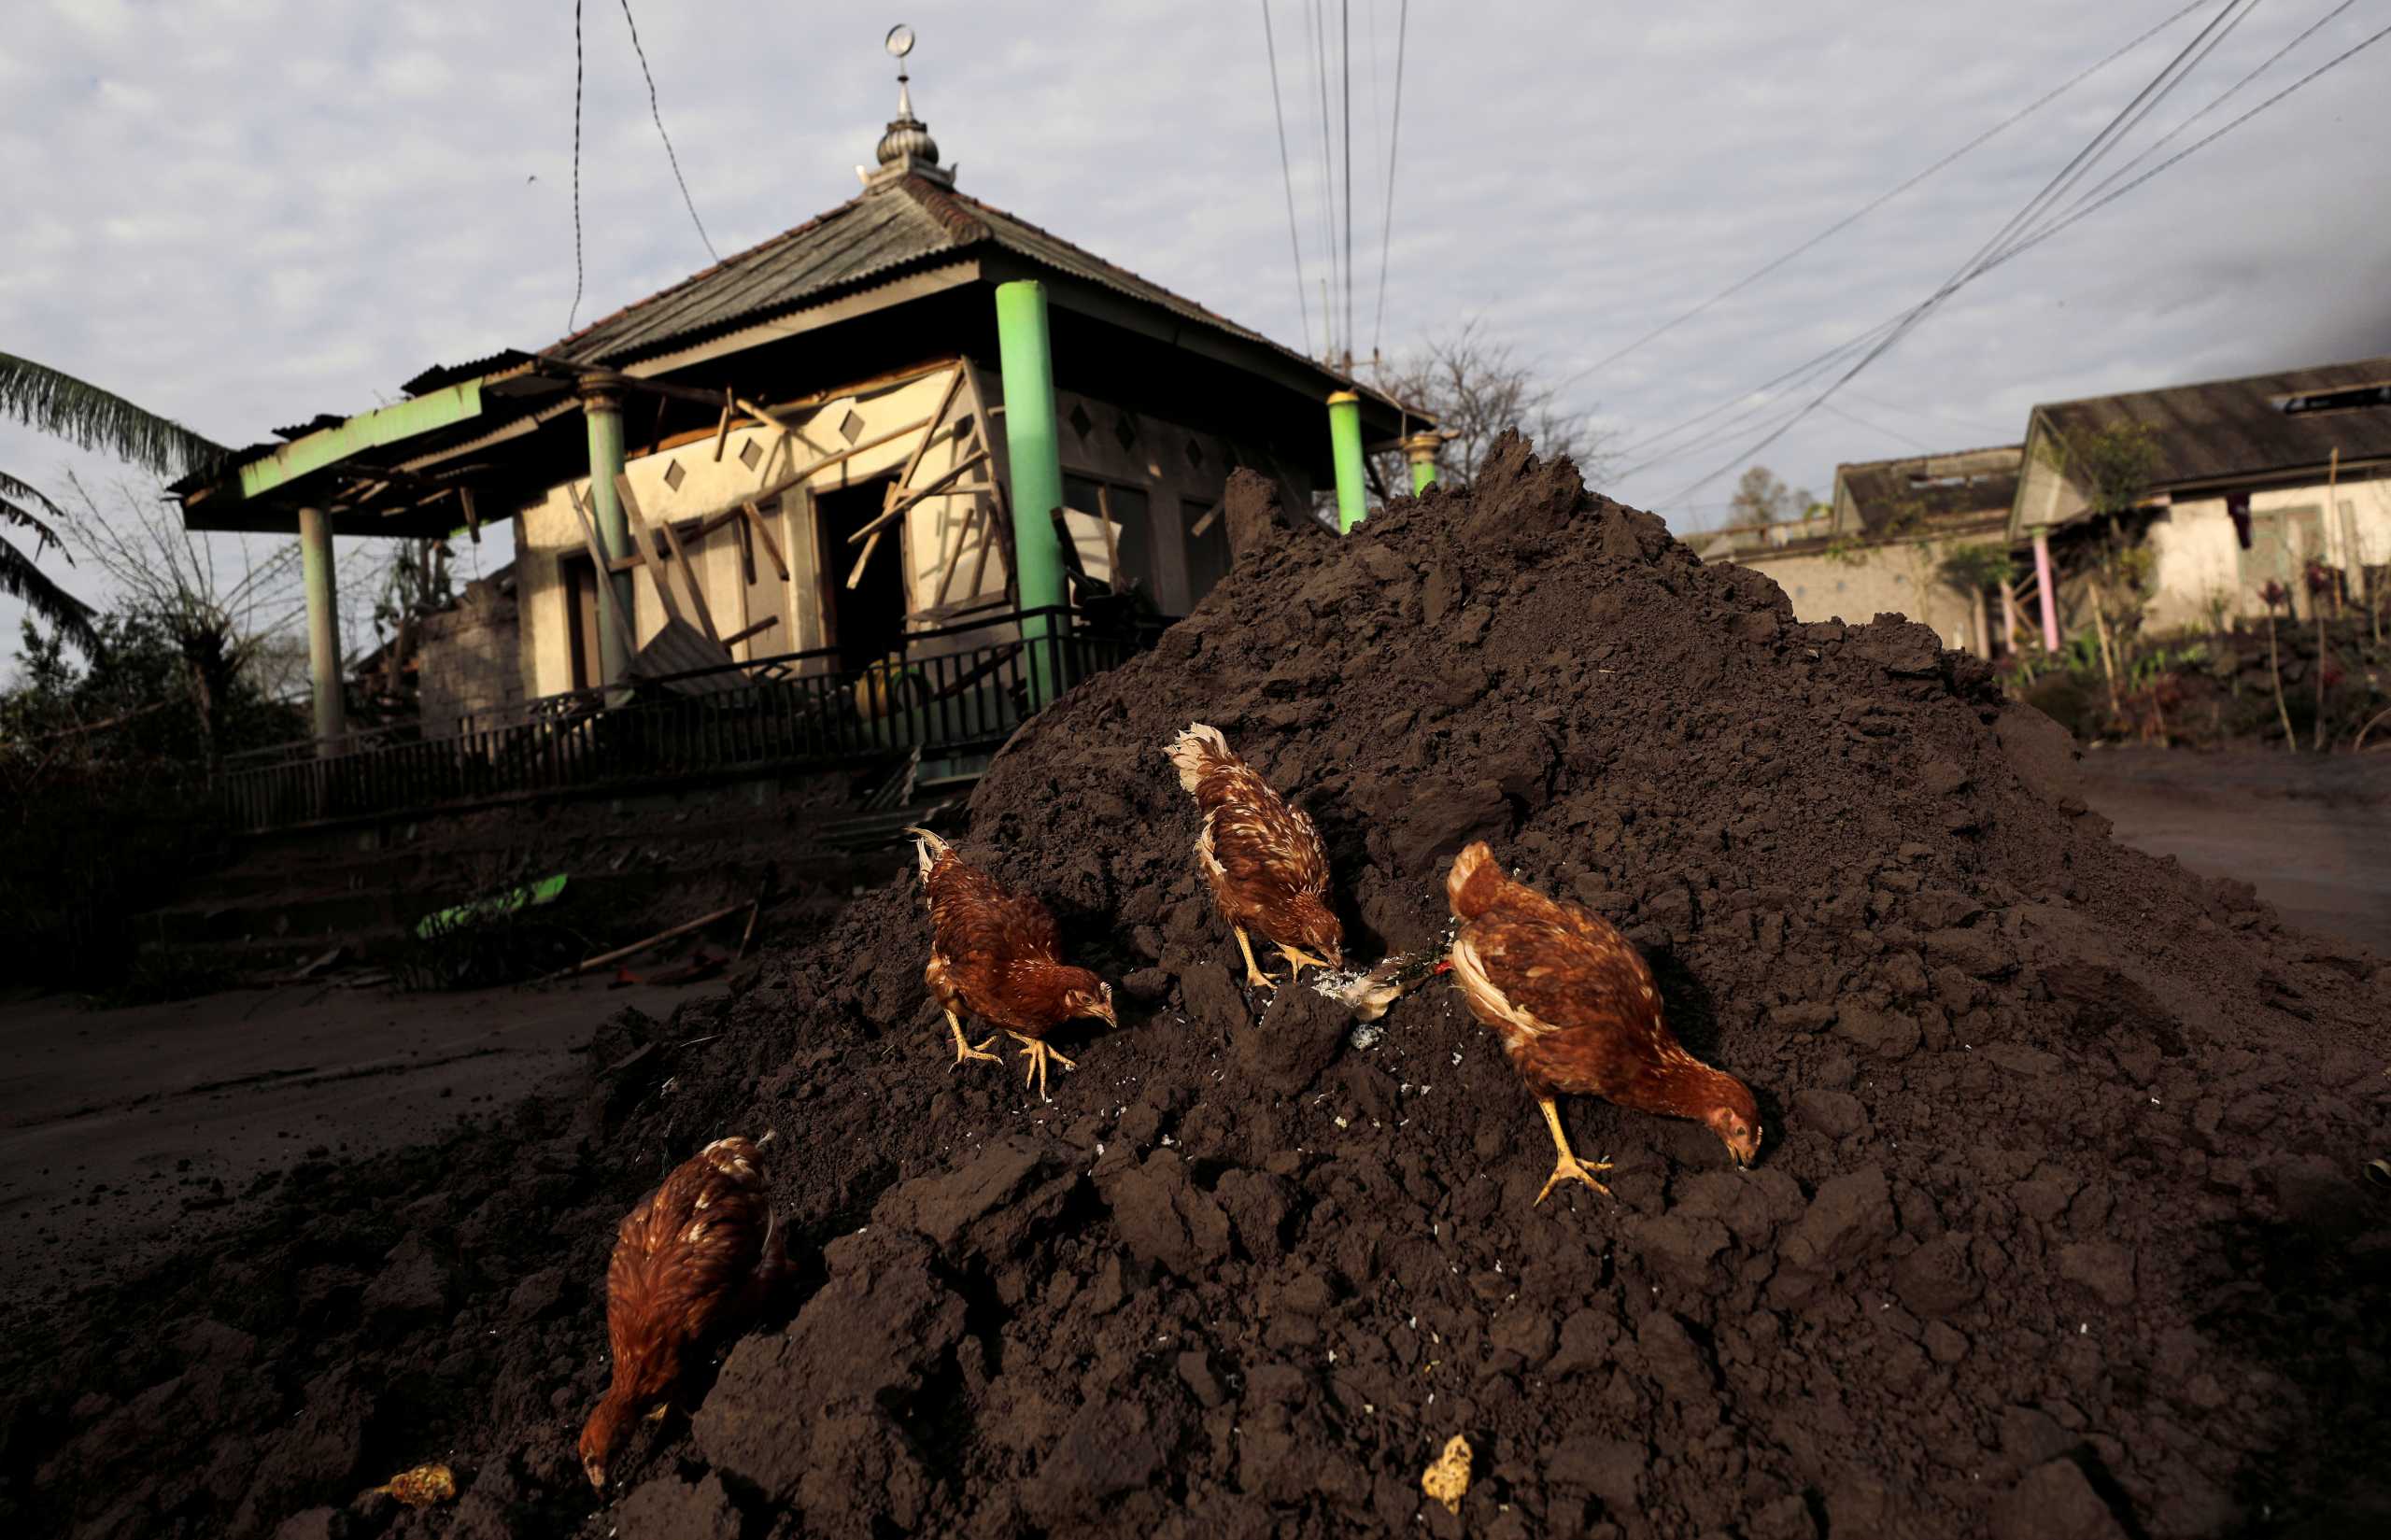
pixel 2312 832
pixel 122 1130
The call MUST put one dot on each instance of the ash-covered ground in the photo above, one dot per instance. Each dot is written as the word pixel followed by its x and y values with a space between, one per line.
pixel 2060 1227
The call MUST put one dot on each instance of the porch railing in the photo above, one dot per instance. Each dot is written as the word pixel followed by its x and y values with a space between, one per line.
pixel 793 710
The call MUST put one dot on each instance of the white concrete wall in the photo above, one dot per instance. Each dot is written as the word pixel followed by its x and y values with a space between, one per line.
pixel 1891 579
pixel 2201 569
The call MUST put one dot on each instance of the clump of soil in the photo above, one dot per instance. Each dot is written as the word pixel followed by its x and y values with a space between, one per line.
pixel 2059 1229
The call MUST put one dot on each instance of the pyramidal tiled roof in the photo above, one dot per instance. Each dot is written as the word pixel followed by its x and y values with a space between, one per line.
pixel 907 224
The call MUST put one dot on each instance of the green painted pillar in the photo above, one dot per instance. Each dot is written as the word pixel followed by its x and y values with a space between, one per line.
pixel 1421 448
pixel 601 407
pixel 323 627
pixel 1034 451
pixel 1344 443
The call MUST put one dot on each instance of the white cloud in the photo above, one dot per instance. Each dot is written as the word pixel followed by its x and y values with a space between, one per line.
pixel 244 212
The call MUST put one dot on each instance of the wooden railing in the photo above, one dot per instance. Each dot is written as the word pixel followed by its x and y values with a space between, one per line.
pixel 793 710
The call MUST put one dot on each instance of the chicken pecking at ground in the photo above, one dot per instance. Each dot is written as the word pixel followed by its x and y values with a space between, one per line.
pixel 999 957
pixel 1577 1012
pixel 693 1264
pixel 1262 857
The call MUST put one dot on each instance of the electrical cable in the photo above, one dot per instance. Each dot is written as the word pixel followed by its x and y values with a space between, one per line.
pixel 1345 67
pixel 657 113
pixel 2219 100
pixel 574 314
pixel 2101 142
pixel 1287 175
pixel 1328 182
pixel 1882 199
pixel 1393 139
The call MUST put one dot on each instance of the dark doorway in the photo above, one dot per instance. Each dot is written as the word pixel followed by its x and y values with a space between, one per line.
pixel 581 603
pixel 867 622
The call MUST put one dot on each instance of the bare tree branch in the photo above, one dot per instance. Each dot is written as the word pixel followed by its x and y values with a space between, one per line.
pixel 1474 389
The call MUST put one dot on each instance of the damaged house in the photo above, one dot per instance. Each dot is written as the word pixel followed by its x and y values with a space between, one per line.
pixel 846 487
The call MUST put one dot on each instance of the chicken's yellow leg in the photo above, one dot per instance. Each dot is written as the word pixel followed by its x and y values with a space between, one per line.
pixel 1038 1053
pixel 1298 959
pixel 1568 1167
pixel 963 1050
pixel 1253 974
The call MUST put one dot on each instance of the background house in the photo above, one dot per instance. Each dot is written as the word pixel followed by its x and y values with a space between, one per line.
pixel 2240 482
pixel 1881 545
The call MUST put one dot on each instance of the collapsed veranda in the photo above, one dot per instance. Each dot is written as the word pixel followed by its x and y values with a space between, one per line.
pixel 797 463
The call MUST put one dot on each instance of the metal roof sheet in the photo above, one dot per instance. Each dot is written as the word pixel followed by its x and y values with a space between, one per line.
pixel 1936 488
pixel 908 223
pixel 2229 429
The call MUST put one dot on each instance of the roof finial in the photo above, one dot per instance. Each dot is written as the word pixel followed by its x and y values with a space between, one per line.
pixel 907 149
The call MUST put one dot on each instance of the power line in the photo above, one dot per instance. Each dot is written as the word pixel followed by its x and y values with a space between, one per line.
pixel 1882 199
pixel 1287 175
pixel 1345 11
pixel 2222 25
pixel 1328 182
pixel 1790 376
pixel 1393 138
pixel 2007 254
pixel 1940 418
pixel 2219 100
pixel 575 314
pixel 2048 231
pixel 657 113
pixel 1879 428
pixel 2159 85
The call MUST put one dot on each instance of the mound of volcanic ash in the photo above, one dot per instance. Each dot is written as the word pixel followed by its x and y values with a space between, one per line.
pixel 2060 1228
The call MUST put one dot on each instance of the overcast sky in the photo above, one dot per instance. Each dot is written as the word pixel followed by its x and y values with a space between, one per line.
pixel 245 212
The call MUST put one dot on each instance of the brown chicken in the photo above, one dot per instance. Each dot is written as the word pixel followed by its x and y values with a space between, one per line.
pixel 999 957
pixel 1574 1007
pixel 1264 858
pixel 693 1263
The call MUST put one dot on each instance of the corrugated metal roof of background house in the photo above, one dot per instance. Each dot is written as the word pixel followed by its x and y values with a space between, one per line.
pixel 1884 490
pixel 2226 428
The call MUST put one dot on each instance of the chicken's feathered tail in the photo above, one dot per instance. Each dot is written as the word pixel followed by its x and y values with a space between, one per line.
pixel 1195 752
pixel 1475 881
pixel 929 848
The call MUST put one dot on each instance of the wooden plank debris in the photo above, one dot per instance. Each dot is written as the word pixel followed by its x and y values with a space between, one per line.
pixel 757 629
pixel 606 568
pixel 636 947
pixel 764 531
pixel 643 542
pixel 1112 538
pixel 689 581
pixel 931 489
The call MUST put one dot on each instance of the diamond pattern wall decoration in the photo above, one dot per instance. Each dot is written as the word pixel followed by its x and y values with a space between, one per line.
pixel 674 476
pixel 750 453
pixel 851 426
pixel 1195 455
pixel 1082 423
pixel 1126 432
